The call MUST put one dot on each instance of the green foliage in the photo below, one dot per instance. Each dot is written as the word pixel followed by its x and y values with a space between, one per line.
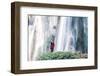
pixel 59 55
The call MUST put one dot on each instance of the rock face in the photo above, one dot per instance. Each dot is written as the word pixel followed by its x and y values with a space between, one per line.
pixel 65 33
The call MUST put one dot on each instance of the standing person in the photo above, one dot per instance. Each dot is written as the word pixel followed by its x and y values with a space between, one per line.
pixel 52 46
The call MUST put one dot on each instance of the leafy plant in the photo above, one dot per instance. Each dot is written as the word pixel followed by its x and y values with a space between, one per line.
pixel 58 55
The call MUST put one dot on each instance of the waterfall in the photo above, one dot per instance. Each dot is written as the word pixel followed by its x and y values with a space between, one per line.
pixel 61 34
pixel 32 37
pixel 65 36
pixel 69 36
pixel 48 28
pixel 36 38
pixel 72 34
pixel 68 33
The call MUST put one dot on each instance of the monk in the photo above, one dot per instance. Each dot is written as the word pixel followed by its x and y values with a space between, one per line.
pixel 52 46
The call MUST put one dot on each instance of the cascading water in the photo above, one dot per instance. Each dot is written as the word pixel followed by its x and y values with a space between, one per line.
pixel 67 34
pixel 72 34
pixel 36 38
